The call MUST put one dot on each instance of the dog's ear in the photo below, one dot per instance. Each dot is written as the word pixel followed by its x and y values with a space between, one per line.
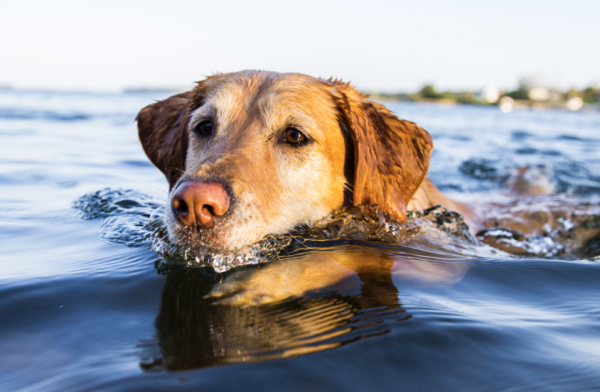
pixel 391 156
pixel 162 132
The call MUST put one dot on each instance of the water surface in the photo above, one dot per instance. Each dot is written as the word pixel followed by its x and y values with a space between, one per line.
pixel 88 305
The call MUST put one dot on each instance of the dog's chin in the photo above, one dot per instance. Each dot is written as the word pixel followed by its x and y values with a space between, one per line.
pixel 223 238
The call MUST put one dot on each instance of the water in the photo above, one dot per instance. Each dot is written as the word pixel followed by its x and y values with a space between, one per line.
pixel 86 304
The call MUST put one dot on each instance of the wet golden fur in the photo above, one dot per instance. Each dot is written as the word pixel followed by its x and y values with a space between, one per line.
pixel 357 152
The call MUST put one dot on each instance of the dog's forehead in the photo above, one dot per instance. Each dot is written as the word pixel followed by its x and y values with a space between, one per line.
pixel 299 94
pixel 270 97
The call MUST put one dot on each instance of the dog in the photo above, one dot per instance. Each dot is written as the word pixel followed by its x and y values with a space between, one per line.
pixel 253 153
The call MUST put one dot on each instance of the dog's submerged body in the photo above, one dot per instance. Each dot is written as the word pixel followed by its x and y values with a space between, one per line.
pixel 255 153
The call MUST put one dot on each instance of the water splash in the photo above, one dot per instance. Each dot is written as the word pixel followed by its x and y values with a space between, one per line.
pixel 365 223
pixel 552 226
pixel 130 218
pixel 133 219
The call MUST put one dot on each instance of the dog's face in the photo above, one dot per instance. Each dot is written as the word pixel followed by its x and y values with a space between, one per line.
pixel 256 153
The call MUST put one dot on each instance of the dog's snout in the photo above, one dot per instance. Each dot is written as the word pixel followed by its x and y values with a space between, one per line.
pixel 199 203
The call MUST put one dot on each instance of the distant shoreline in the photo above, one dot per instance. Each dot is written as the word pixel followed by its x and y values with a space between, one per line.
pixel 516 103
pixel 527 95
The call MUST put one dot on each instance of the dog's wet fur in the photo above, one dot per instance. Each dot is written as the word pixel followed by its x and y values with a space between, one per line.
pixel 355 151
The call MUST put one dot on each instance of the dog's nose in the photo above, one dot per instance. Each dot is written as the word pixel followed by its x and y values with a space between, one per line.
pixel 199 203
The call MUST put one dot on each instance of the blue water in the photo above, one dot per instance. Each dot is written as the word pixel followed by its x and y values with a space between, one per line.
pixel 86 305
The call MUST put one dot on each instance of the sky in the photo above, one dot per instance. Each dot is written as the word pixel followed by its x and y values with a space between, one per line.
pixel 378 45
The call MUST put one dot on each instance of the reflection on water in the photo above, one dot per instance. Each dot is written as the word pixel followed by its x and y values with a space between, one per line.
pixel 338 296
pixel 326 286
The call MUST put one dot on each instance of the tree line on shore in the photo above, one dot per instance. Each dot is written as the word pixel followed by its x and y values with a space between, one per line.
pixel 525 92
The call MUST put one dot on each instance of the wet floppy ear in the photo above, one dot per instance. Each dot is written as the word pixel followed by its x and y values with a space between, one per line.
pixel 391 155
pixel 162 132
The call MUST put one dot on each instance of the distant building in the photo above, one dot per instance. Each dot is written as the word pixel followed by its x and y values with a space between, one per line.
pixel 490 94
pixel 539 94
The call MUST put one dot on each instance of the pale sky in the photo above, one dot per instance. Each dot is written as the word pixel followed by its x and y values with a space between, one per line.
pixel 378 45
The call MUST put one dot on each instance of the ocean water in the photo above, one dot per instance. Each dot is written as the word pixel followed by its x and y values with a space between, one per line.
pixel 86 303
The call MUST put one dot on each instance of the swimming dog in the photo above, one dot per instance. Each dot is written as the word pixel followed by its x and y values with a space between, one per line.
pixel 253 153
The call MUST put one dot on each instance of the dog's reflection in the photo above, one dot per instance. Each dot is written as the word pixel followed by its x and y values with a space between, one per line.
pixel 297 305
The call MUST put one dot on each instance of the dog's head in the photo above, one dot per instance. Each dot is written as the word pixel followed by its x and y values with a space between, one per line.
pixel 255 153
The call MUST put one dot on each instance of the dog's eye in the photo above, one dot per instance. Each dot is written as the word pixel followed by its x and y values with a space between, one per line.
pixel 294 136
pixel 205 128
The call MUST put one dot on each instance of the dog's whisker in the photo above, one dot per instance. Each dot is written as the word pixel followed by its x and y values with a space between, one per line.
pixel 297 240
